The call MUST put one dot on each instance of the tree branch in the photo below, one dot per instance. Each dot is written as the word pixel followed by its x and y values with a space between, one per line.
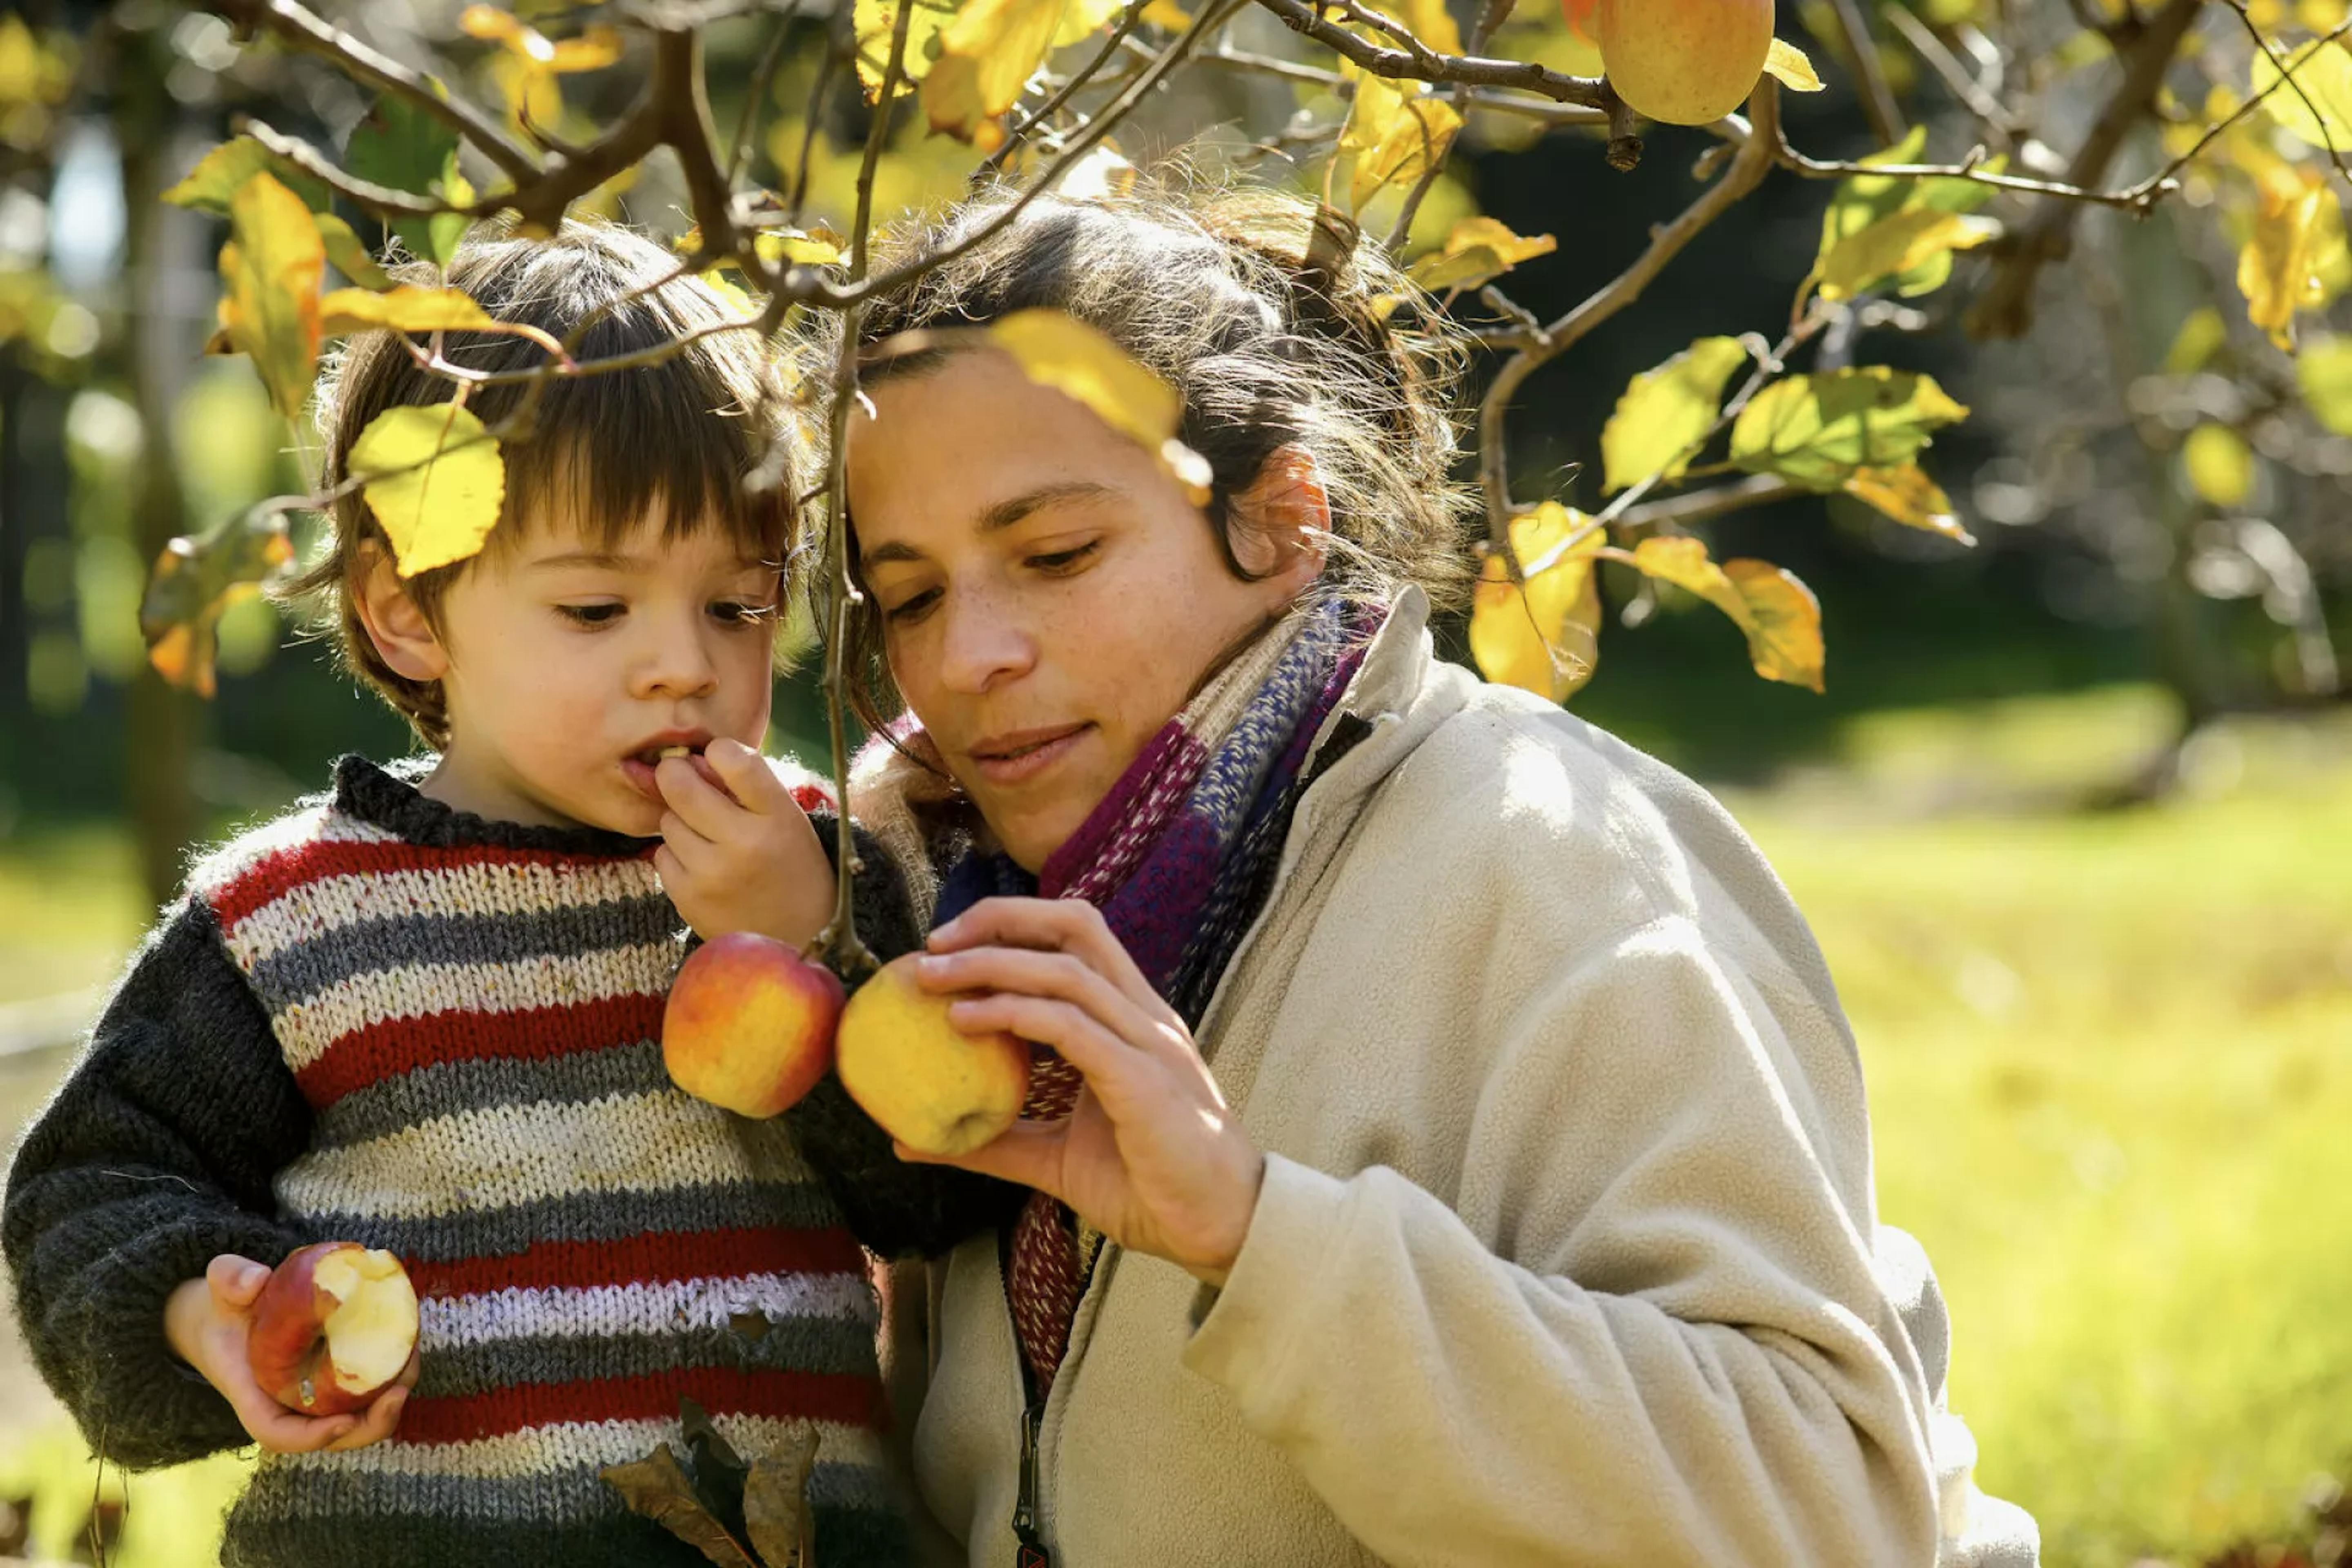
pixel 1421 63
pixel 1749 164
pixel 1877 99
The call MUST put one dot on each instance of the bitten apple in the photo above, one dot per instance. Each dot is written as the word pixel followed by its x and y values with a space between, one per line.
pixel 334 1328
pixel 930 1085
pixel 1685 62
pixel 748 1025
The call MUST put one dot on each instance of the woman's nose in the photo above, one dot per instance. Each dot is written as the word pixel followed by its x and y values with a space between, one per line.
pixel 981 644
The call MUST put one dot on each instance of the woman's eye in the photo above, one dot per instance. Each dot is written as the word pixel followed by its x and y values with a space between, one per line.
pixel 590 615
pixel 914 608
pixel 1064 560
pixel 739 612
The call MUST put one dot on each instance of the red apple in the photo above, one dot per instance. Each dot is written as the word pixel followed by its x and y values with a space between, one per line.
pixel 749 1024
pixel 334 1328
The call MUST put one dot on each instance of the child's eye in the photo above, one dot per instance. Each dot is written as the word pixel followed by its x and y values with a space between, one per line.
pixel 590 615
pixel 913 609
pixel 1064 560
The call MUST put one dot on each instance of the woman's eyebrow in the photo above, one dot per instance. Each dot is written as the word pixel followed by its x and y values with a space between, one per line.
pixel 1002 515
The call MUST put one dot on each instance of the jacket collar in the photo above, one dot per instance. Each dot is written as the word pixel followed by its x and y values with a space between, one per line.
pixel 1400 694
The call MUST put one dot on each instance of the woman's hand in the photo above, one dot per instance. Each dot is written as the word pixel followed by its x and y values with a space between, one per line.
pixel 207 1322
pixel 738 853
pixel 1151 1156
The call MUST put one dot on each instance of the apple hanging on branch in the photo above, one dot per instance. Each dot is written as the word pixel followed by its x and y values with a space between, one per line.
pixel 1679 62
pixel 335 1326
pixel 750 1023
pixel 926 1082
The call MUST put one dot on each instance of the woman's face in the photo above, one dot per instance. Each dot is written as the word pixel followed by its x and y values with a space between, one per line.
pixel 1049 596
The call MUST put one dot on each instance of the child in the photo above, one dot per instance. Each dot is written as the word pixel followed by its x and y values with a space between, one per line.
pixel 423 1011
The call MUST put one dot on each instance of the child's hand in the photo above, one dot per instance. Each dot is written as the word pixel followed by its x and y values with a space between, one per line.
pixel 743 857
pixel 207 1320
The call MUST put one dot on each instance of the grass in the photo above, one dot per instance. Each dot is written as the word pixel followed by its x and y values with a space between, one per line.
pixel 2110 1059
pixel 70 907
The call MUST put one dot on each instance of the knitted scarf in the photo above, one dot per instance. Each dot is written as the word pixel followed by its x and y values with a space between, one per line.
pixel 1178 855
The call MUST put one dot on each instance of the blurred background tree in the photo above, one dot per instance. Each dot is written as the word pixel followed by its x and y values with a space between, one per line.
pixel 2160 489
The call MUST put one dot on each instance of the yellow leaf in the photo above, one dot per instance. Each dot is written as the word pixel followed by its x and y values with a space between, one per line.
pixel 222 171
pixel 1546 638
pixel 594 49
pixel 2219 465
pixel 1894 245
pixel 1478 250
pixel 987 54
pixel 350 256
pixel 271 265
pixel 1081 19
pixel 1076 360
pixel 874 21
pixel 2322 110
pixel 1167 16
pixel 2201 336
pixel 1664 412
pixel 1907 495
pixel 1778 614
pixel 818 246
pixel 1394 135
pixel 2324 371
pixel 434 481
pixel 2280 271
pixel 1787 64
pixel 1429 21
pixel 407 309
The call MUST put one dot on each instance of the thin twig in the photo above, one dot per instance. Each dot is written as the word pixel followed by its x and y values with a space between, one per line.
pixel 1013 141
pixel 1423 64
pixel 1877 98
pixel 1989 110
pixel 2334 154
pixel 762 75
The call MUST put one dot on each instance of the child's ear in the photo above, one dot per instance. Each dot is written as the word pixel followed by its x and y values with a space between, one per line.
pixel 404 638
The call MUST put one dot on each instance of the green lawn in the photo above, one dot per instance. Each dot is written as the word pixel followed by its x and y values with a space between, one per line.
pixel 2110 1058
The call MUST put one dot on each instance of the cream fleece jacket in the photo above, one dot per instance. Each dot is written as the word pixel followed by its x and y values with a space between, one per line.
pixel 1567 1251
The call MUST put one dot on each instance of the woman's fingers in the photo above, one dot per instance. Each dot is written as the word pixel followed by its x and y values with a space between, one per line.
pixel 1104 1059
pixel 1028 1153
pixel 1027 972
pixel 1066 925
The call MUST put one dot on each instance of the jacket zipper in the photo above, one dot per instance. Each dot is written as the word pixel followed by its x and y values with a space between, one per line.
pixel 1030 1552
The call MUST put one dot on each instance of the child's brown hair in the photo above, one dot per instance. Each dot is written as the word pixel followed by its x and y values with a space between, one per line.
pixel 685 433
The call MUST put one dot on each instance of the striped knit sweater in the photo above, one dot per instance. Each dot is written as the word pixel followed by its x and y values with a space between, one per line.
pixel 380 1020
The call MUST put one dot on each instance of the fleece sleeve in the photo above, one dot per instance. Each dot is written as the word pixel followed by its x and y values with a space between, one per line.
pixel 156 1155
pixel 1662 1341
pixel 896 1209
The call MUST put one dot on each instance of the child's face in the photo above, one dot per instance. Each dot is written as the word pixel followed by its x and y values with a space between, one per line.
pixel 570 670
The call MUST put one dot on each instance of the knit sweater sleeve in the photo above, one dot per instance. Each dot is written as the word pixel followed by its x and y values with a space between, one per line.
pixel 156 1155
pixel 896 1209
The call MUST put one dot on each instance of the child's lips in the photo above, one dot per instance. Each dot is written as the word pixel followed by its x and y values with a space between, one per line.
pixel 641 772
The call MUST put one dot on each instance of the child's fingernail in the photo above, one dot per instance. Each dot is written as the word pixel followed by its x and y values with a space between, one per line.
pixel 252 1275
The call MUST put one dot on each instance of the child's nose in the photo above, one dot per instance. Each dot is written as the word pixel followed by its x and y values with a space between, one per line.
pixel 677 664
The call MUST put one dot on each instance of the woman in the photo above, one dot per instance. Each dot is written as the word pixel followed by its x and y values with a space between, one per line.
pixel 1448 1148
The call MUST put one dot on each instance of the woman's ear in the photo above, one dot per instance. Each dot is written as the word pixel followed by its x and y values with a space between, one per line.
pixel 1282 524
pixel 404 638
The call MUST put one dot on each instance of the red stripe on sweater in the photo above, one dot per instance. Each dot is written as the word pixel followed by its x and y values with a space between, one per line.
pixel 389 1047
pixel 279 873
pixel 847 1398
pixel 658 1257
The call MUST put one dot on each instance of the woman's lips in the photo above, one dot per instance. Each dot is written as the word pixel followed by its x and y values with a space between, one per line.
pixel 1024 760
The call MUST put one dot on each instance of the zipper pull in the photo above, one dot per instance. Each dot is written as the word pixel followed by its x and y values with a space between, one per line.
pixel 1031 1552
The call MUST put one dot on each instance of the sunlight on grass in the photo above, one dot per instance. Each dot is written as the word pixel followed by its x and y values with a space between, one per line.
pixel 2110 1061
pixel 70 908
pixel 166 1518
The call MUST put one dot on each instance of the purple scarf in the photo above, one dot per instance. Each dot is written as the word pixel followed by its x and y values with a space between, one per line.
pixel 1179 857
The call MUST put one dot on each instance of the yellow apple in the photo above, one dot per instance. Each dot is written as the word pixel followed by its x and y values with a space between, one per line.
pixel 334 1328
pixel 749 1023
pixel 1685 62
pixel 930 1085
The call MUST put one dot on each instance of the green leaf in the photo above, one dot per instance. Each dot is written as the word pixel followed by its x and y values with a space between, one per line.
pixel 1666 412
pixel 1545 639
pixel 434 481
pixel 1818 430
pixel 271 265
pixel 198 578
pixel 220 173
pixel 2324 371
pixel 1778 614
pixel 2322 111
pixel 400 145
pixel 1899 245
pixel 1862 200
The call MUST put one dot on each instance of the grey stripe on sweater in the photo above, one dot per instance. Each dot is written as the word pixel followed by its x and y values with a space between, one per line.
pixel 559 930
pixel 394 1103
pixel 587 1216
pixel 556 1496
pixel 840 1345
